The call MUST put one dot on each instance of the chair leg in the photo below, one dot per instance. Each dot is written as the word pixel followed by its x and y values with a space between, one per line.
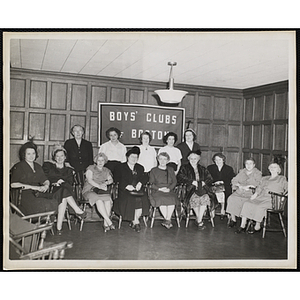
pixel 265 225
pixel 120 222
pixel 211 215
pixel 177 218
pixel 282 224
pixel 145 219
pixel 188 212
pixel 153 216
pixel 68 219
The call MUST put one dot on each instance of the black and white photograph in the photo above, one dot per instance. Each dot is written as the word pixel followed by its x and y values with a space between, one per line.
pixel 150 150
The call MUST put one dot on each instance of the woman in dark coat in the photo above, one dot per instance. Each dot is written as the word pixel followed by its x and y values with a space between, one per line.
pixel 29 175
pixel 79 152
pixel 221 174
pixel 61 180
pixel 131 178
pixel 188 145
pixel 198 181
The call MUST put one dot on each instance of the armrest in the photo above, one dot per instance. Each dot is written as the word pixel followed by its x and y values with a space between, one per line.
pixel 55 252
pixel 31 232
pixel 39 215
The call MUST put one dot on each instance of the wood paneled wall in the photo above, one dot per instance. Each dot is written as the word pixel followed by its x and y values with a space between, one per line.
pixel 46 105
pixel 265 125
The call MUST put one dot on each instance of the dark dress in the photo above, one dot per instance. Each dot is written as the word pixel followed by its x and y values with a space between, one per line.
pixel 30 204
pixel 126 204
pixel 226 174
pixel 79 157
pixel 163 178
pixel 186 175
pixel 185 150
pixel 54 174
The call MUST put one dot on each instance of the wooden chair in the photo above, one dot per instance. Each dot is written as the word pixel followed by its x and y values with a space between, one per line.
pixel 55 251
pixel 179 190
pixel 115 195
pixel 278 206
pixel 188 210
pixel 113 189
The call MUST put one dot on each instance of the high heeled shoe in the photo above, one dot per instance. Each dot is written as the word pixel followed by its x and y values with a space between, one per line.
pixel 106 228
pixel 81 216
pixel 59 231
pixel 112 227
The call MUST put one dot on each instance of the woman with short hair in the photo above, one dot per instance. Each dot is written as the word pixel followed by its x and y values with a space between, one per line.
pixel 175 155
pixel 163 181
pixel 113 149
pixel 198 182
pixel 96 190
pixel 260 201
pixel 61 179
pixel 222 174
pixel 132 202
pixel 79 152
pixel 243 184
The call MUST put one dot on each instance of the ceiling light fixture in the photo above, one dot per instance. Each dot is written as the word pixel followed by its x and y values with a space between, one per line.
pixel 171 96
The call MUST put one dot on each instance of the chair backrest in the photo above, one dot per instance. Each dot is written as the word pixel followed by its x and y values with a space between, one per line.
pixel 278 201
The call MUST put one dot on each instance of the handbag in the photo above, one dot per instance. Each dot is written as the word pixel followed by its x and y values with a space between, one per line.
pixel 218 188
pixel 136 193
pixel 99 191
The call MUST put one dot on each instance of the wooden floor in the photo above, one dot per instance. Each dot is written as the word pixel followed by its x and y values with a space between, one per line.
pixel 158 243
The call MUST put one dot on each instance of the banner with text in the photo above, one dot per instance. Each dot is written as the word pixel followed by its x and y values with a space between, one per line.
pixel 133 119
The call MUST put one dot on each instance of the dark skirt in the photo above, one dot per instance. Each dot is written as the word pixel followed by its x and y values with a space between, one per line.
pixel 125 205
pixel 30 204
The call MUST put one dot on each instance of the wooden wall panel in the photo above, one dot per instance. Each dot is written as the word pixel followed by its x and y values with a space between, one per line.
pixel 118 95
pixel 98 95
pixel 232 159
pixel 279 137
pixel 256 136
pixel 94 130
pixel 247 136
pixel 234 136
pixel 220 105
pixel 188 103
pixel 218 135
pixel 204 107
pixel 17 92
pixel 267 137
pixel 37 126
pixel 235 109
pixel 57 128
pixel 269 107
pixel 14 154
pixel 258 108
pixel 281 107
pixel 58 96
pixel 203 136
pixel 41 154
pixel 38 94
pixel 79 97
pixel 16 125
pixel 136 96
pixel 205 159
pixel 248 109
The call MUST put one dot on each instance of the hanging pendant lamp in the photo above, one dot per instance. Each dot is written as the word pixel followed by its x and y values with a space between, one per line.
pixel 171 96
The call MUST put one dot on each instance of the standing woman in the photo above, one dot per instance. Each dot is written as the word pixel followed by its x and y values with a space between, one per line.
pixel 188 145
pixel 131 203
pixel 113 149
pixel 198 181
pixel 243 183
pixel 29 175
pixel 147 157
pixel 255 207
pixel 175 155
pixel 79 152
pixel 61 181
pixel 221 174
pixel 95 189
pixel 163 182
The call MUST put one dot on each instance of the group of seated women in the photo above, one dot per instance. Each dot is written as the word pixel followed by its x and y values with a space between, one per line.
pixel 137 168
